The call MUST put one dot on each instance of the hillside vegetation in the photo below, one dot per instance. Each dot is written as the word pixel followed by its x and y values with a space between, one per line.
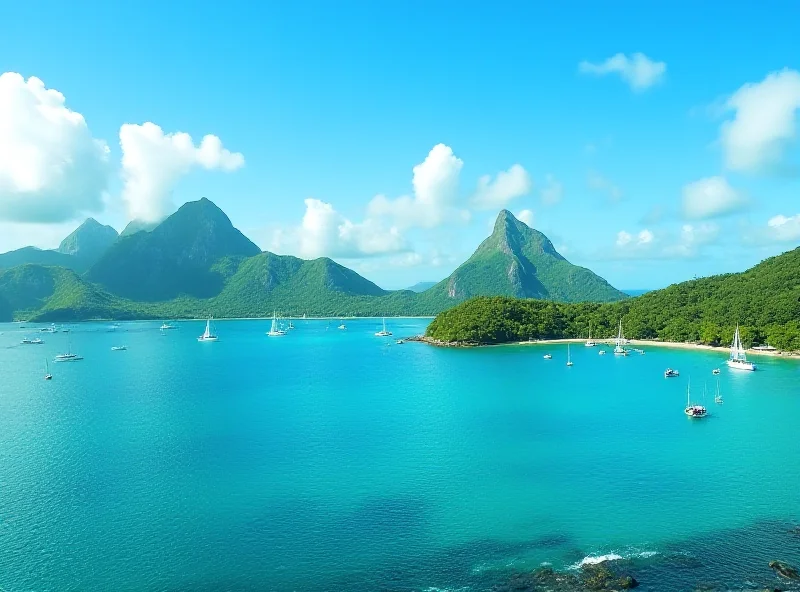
pixel 764 300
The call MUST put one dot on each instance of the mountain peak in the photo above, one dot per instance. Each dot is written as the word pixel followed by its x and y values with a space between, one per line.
pixel 517 260
pixel 187 253
pixel 89 241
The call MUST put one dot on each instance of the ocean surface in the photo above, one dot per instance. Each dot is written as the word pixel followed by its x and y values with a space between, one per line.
pixel 333 460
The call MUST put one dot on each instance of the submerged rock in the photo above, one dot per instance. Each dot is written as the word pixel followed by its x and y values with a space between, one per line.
pixel 597 578
pixel 785 570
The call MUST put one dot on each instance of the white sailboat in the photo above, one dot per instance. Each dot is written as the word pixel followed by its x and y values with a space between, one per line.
pixel 589 342
pixel 738 359
pixel 619 342
pixel 275 330
pixel 569 361
pixel 691 409
pixel 208 335
pixel 47 375
pixel 383 332
pixel 718 395
pixel 69 356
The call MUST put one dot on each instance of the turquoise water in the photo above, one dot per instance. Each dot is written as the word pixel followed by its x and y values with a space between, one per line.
pixel 336 460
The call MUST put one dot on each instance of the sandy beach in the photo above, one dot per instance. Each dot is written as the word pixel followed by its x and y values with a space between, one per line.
pixel 675 345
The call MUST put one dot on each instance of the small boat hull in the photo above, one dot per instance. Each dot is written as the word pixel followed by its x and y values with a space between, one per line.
pixel 740 365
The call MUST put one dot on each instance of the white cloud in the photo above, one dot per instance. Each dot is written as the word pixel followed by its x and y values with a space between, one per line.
pixel 506 186
pixel 153 162
pixel 526 216
pixel 784 228
pixel 667 245
pixel 710 197
pixel 51 168
pixel 598 182
pixel 691 238
pixel 639 71
pixel 552 192
pixel 326 232
pixel 764 124
pixel 435 182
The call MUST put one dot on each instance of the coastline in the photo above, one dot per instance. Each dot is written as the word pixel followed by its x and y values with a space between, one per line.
pixel 610 342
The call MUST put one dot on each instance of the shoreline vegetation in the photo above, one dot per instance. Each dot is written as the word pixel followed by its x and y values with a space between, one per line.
pixel 699 313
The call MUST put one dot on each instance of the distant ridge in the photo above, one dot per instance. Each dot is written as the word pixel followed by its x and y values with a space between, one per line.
pixel 421 286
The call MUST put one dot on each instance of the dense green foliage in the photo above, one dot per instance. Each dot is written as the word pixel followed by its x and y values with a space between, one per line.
pixel 764 300
pixel 517 260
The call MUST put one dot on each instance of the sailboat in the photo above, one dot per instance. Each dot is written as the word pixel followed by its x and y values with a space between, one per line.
pixel 619 342
pixel 738 359
pixel 383 332
pixel 207 334
pixel 718 395
pixel 589 342
pixel 691 409
pixel 569 361
pixel 69 356
pixel 275 330
pixel 47 375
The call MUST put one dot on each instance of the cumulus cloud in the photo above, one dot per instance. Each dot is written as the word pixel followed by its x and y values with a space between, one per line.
pixel 435 182
pixel 709 198
pixel 598 182
pixel 526 216
pixel 153 162
pixel 325 232
pixel 639 71
pixel 691 238
pixel 506 186
pixel 667 245
pixel 764 124
pixel 625 239
pixel 51 167
pixel 782 228
pixel 552 192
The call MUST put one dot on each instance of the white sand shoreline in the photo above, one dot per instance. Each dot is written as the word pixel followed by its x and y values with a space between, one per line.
pixel 669 344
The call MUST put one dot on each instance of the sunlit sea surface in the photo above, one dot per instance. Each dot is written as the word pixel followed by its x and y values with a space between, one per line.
pixel 334 460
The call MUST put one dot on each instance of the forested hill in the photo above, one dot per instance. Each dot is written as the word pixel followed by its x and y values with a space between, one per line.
pixel 764 300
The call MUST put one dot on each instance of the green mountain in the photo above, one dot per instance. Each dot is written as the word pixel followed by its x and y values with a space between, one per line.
pixel 89 241
pixel 421 286
pixel 195 263
pixel 191 253
pixel 765 301
pixel 40 257
pixel 519 261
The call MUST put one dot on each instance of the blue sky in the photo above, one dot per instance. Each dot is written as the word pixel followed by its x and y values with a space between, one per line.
pixel 655 169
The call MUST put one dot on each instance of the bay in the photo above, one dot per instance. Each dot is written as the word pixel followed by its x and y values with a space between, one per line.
pixel 337 460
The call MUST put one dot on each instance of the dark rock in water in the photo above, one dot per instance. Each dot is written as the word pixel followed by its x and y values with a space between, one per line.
pixel 785 570
pixel 598 578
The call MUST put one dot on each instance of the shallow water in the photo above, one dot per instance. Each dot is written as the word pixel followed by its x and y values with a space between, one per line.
pixel 336 460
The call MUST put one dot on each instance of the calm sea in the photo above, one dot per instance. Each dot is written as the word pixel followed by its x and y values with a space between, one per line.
pixel 333 460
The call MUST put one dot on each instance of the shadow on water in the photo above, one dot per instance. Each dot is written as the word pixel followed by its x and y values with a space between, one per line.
pixel 735 559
